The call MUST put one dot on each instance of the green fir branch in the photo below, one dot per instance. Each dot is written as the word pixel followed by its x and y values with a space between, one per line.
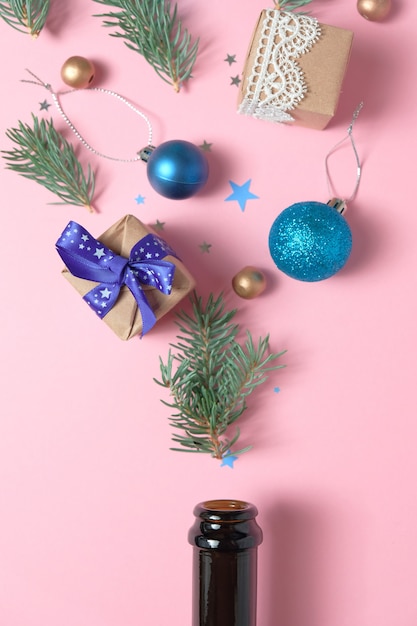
pixel 25 15
pixel 291 5
pixel 214 375
pixel 153 29
pixel 45 156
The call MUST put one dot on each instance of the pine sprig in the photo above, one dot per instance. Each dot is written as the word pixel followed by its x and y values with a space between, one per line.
pixel 290 5
pixel 214 376
pixel 26 16
pixel 45 156
pixel 153 29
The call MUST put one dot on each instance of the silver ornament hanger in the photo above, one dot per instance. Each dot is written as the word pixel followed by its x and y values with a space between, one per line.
pixel 340 204
pixel 142 155
pixel 187 166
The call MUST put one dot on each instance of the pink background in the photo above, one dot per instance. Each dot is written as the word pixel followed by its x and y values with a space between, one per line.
pixel 95 508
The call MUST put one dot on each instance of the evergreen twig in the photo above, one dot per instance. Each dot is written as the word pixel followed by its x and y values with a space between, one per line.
pixel 154 30
pixel 25 15
pixel 290 5
pixel 215 375
pixel 45 156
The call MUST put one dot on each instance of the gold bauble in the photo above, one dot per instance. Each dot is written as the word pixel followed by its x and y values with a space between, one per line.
pixel 249 282
pixel 77 72
pixel 374 10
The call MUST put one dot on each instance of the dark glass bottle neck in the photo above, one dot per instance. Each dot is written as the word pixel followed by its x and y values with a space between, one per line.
pixel 225 537
pixel 225 525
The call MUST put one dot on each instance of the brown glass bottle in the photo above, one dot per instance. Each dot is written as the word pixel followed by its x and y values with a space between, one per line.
pixel 225 537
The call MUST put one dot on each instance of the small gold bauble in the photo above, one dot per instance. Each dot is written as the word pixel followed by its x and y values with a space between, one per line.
pixel 374 10
pixel 249 282
pixel 77 72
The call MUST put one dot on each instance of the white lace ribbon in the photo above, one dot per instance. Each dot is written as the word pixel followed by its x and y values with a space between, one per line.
pixel 276 84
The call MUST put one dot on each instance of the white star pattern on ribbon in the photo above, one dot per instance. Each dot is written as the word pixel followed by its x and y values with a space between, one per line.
pixel 99 253
pixel 147 254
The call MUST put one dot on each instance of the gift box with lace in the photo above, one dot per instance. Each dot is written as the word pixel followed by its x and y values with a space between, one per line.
pixel 294 69
pixel 129 276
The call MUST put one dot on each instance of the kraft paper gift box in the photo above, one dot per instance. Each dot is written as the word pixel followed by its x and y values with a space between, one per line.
pixel 149 256
pixel 285 46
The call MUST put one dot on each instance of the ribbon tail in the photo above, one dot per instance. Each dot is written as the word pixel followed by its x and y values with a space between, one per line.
pixel 148 316
pixel 102 298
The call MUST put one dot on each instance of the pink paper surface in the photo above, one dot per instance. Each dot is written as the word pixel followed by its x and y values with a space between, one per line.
pixel 94 507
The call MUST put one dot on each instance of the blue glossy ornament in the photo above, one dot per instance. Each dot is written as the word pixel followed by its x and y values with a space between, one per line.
pixel 177 169
pixel 310 241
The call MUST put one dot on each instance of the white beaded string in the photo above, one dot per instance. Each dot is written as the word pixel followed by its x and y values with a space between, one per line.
pixel 64 116
pixel 358 163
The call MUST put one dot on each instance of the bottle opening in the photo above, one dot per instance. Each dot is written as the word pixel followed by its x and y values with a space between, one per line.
pixel 226 505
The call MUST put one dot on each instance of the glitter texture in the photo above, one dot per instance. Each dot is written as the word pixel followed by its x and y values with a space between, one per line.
pixel 310 241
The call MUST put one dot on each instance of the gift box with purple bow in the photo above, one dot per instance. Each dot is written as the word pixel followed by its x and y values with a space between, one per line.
pixel 129 276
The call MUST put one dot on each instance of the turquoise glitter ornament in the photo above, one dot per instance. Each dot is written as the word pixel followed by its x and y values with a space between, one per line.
pixel 310 241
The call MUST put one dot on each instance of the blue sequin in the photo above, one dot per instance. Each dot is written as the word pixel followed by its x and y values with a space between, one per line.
pixel 310 241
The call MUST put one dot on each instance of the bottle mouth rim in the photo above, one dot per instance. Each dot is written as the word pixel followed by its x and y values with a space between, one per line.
pixel 226 510
pixel 226 505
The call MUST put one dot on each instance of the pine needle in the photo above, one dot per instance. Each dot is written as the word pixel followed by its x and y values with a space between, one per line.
pixel 291 5
pixel 25 15
pixel 45 156
pixel 214 376
pixel 152 28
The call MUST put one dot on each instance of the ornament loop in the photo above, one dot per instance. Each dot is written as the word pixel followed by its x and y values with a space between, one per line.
pixel 55 98
pixel 176 169
pixel 355 152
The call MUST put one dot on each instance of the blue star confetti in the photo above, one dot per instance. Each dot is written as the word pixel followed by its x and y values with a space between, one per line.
pixel 44 105
pixel 140 199
pixel 241 194
pixel 228 459
pixel 277 389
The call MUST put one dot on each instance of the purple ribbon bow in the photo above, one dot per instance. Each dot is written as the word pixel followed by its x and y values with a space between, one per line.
pixel 86 257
